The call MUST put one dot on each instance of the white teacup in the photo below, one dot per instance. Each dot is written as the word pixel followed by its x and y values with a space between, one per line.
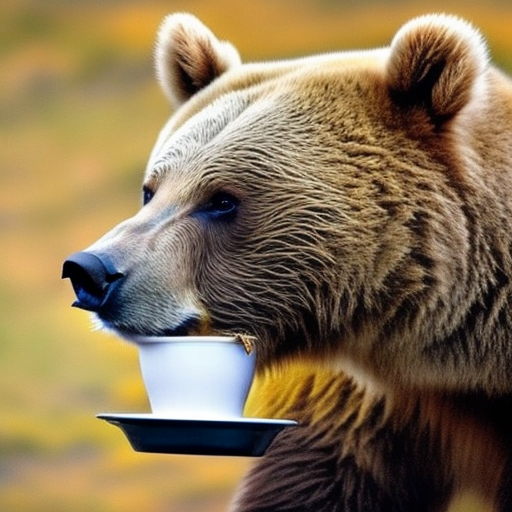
pixel 196 377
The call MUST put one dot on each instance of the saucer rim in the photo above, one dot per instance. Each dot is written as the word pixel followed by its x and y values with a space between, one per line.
pixel 151 417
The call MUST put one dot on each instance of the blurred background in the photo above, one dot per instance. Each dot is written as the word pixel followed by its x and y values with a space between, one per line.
pixel 79 112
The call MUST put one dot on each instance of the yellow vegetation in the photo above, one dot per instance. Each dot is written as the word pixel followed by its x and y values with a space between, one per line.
pixel 79 111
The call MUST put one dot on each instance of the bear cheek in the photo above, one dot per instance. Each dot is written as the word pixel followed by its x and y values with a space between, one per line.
pixel 242 297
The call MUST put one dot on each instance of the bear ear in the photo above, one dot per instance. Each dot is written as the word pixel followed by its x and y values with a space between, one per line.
pixel 436 63
pixel 189 57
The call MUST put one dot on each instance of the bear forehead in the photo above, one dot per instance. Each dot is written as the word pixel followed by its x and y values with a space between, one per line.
pixel 258 101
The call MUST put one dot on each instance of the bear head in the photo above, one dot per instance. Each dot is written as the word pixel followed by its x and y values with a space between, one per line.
pixel 343 207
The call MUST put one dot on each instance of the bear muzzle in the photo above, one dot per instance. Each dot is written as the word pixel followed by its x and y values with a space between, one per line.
pixel 93 277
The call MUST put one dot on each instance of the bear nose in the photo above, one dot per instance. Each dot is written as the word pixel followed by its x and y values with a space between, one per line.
pixel 92 276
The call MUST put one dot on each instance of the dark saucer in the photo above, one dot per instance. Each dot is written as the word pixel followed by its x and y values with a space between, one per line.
pixel 248 437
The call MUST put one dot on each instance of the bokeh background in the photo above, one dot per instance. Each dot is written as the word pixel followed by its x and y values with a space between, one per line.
pixel 79 111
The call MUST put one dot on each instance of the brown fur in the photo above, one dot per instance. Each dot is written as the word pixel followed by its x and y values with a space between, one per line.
pixel 360 449
pixel 369 239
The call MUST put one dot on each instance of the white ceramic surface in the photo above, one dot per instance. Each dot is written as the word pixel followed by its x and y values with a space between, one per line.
pixel 196 377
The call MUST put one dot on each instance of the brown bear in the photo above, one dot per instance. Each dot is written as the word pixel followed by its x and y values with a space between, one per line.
pixel 350 211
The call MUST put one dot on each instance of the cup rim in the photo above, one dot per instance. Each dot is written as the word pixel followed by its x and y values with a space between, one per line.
pixel 184 339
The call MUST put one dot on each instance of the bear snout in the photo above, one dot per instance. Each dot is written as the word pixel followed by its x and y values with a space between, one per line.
pixel 93 277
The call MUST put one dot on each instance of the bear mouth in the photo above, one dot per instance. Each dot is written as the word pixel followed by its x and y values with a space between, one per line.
pixel 188 327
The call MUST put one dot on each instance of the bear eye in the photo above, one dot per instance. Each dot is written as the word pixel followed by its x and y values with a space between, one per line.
pixel 221 205
pixel 147 195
